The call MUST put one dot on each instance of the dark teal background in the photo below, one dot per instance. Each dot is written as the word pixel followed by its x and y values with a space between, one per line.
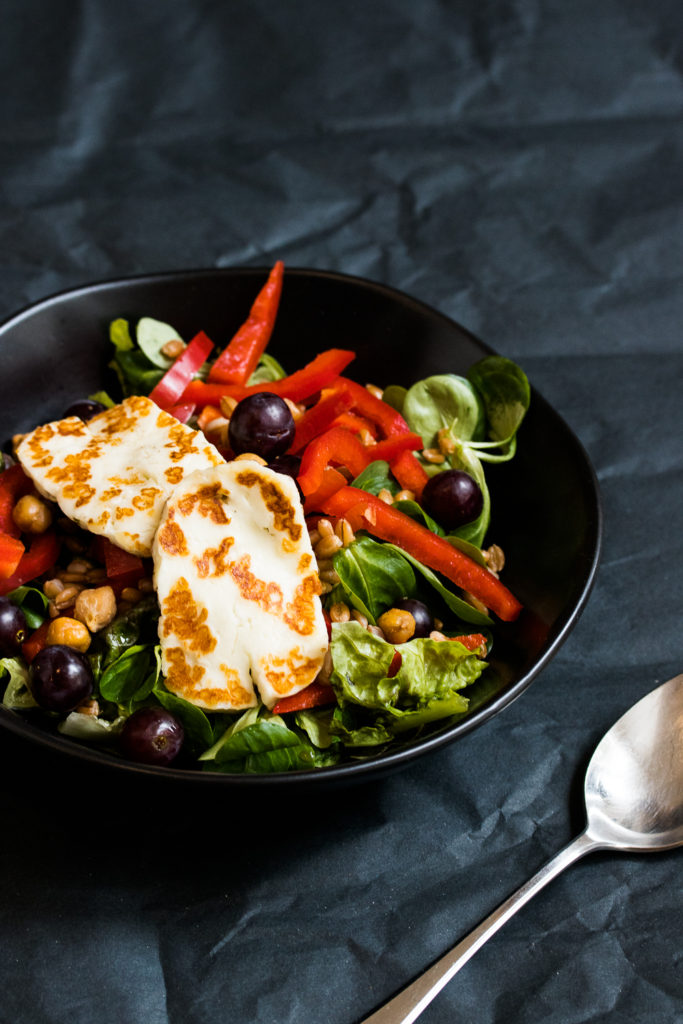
pixel 519 166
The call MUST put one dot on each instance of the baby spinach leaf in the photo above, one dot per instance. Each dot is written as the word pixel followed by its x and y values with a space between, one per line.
pixel 33 604
pixel 444 401
pixel 198 730
pixel 137 374
pixel 505 392
pixel 151 335
pixel 395 396
pixel 374 576
pixel 456 604
pixel 416 512
pixel 124 677
pixel 376 477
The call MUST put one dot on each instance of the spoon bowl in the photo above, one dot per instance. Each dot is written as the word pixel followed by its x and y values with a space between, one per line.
pixel 634 782
pixel 634 803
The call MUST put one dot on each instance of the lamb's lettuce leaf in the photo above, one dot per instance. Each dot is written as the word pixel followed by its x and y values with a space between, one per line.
pixel 33 603
pixel 373 575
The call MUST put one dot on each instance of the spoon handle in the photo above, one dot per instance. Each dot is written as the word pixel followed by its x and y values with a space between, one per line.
pixel 407 1006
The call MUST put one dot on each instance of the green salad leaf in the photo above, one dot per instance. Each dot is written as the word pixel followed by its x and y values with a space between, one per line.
pixel 373 575
pixel 456 604
pixel 377 477
pixel 444 401
pixel 14 677
pixel 268 369
pixel 151 336
pixel 505 392
pixel 195 722
pixel 33 603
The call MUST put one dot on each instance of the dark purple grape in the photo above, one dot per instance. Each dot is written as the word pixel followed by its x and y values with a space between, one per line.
pixel 453 498
pixel 13 629
pixel 85 409
pixel 60 678
pixel 262 424
pixel 424 620
pixel 288 465
pixel 152 736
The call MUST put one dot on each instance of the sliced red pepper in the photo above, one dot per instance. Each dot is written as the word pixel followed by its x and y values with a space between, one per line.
pixel 35 643
pixel 14 484
pixel 472 641
pixel 409 473
pixel 208 413
pixel 392 447
pixel 335 445
pixel 169 390
pixel 11 551
pixel 239 359
pixel 331 482
pixel 320 417
pixel 123 569
pixel 365 511
pixel 182 412
pixel 37 559
pixel 386 418
pixel 355 423
pixel 298 386
pixel 313 696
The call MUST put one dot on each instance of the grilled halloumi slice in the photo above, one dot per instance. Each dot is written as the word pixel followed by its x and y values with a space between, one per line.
pixel 238 589
pixel 113 474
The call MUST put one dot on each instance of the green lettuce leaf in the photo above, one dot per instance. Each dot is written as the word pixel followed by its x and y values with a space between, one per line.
pixel 14 677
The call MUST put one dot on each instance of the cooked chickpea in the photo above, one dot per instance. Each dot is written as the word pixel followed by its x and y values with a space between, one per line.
pixel 397 625
pixel 69 632
pixel 31 514
pixel 96 607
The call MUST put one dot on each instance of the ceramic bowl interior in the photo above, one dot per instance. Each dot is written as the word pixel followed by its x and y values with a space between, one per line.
pixel 546 505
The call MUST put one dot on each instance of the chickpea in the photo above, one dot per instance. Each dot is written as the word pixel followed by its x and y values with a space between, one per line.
pixel 70 632
pixel 95 607
pixel 31 514
pixel 397 625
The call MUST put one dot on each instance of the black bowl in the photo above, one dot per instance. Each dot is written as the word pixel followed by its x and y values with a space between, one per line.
pixel 546 506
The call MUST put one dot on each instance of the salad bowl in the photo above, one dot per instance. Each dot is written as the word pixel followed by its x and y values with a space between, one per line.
pixel 56 352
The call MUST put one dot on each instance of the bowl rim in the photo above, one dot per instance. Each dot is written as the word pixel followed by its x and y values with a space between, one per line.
pixel 372 766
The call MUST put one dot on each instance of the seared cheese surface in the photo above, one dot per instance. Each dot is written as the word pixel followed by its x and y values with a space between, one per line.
pixel 238 589
pixel 113 474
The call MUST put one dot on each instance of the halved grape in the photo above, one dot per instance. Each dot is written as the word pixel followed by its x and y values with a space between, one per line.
pixel 261 424
pixel 13 629
pixel 424 620
pixel 152 736
pixel 60 678
pixel 85 409
pixel 453 498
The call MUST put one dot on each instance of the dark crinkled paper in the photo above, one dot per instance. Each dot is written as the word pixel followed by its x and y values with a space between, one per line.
pixel 519 166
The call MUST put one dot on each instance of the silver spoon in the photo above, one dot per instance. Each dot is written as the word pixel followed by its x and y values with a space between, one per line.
pixel 634 802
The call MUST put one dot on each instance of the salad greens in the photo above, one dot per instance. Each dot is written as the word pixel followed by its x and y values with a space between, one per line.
pixel 380 697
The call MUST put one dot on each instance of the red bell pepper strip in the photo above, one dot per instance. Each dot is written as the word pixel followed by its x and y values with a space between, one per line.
pixel 11 551
pixel 472 641
pixel 239 359
pixel 298 386
pixel 335 445
pixel 37 559
pixel 365 511
pixel 14 484
pixel 356 424
pixel 313 696
pixel 386 418
pixel 35 643
pixel 182 412
pixel 332 482
pixel 392 447
pixel 319 418
pixel 409 473
pixel 169 390
pixel 123 569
